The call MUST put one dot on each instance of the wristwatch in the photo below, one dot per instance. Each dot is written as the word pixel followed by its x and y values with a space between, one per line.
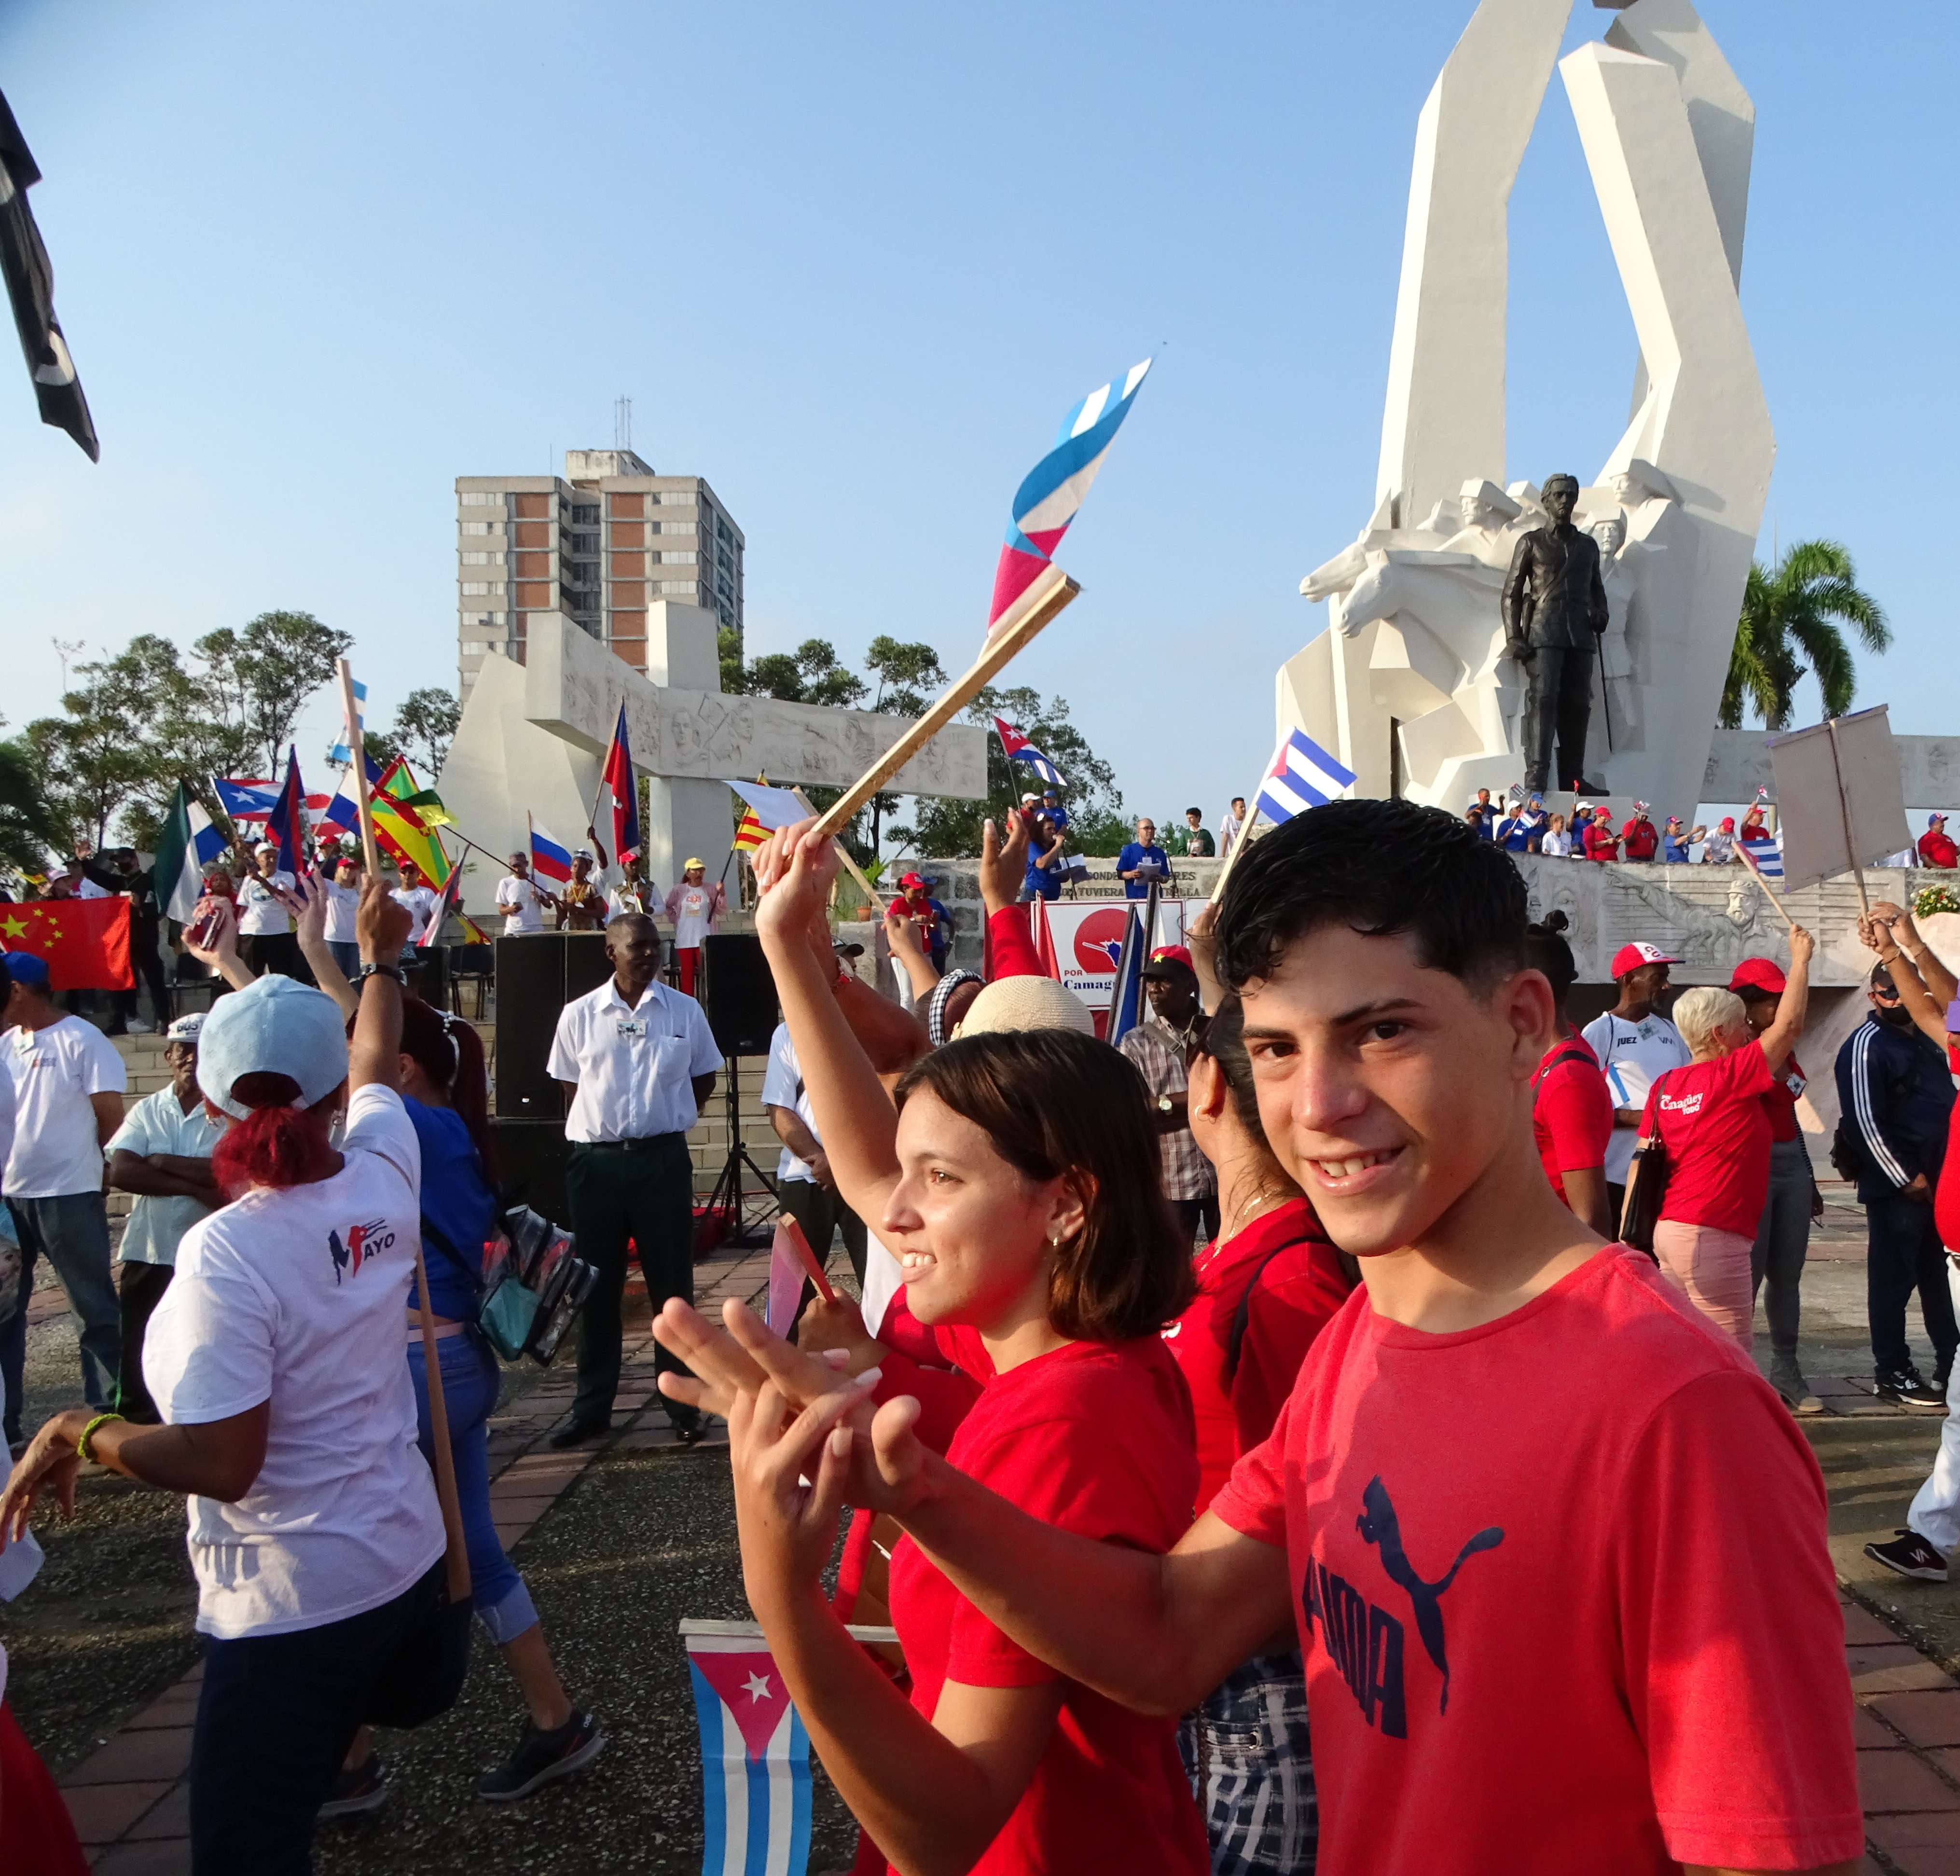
pixel 366 971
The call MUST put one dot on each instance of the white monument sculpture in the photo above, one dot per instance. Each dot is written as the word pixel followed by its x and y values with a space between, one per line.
pixel 533 738
pixel 1411 685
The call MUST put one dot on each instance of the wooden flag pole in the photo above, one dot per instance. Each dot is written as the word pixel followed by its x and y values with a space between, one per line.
pixel 1775 898
pixel 871 893
pixel 1845 814
pixel 456 1548
pixel 1240 842
pixel 1052 589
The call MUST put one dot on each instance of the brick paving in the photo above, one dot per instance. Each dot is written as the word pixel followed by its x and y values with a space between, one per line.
pixel 130 1799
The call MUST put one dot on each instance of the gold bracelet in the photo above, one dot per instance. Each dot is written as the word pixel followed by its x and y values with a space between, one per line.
pixel 83 1449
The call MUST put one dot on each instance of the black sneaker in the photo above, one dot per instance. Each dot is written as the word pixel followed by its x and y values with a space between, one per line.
pixel 358 1792
pixel 542 1756
pixel 1904 1384
pixel 1910 1555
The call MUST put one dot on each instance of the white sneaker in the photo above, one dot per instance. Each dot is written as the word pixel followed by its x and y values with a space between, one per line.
pixel 138 1027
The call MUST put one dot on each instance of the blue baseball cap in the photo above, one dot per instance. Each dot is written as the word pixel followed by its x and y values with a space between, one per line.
pixel 274 1026
pixel 24 967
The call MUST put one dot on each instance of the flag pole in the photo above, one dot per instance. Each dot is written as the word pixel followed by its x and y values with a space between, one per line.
pixel 851 866
pixel 1845 814
pixel 1774 898
pixel 1051 591
pixel 1243 840
pixel 358 768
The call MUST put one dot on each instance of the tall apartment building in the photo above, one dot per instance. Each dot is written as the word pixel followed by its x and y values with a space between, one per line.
pixel 597 544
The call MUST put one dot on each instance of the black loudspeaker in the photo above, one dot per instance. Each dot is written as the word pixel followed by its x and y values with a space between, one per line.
pixel 531 1157
pixel 740 995
pixel 537 975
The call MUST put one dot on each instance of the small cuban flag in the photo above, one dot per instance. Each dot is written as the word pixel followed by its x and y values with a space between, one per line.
pixel 1303 775
pixel 1020 749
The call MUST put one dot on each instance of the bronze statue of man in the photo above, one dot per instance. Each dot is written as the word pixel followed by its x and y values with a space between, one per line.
pixel 1555 605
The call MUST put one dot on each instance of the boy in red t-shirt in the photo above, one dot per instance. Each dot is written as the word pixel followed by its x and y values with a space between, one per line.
pixel 1556 1552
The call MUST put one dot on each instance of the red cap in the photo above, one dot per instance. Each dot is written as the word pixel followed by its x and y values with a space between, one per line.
pixel 1169 954
pixel 911 879
pixel 1728 824
pixel 1759 973
pixel 1631 957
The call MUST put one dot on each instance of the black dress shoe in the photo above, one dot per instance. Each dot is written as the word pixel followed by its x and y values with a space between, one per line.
pixel 578 1432
pixel 690 1429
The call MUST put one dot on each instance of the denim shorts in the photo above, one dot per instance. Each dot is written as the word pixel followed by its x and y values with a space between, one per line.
pixel 1245 1751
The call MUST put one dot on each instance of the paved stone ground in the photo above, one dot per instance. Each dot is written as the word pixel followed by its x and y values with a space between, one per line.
pixel 617 1544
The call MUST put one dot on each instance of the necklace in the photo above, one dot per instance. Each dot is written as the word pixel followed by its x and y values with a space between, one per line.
pixel 1266 1194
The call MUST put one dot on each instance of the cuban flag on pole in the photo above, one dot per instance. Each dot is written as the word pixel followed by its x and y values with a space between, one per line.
pixel 617 777
pixel 1047 501
pixel 755 1754
pixel 1766 856
pixel 340 752
pixel 1020 749
pixel 1303 775
pixel 550 860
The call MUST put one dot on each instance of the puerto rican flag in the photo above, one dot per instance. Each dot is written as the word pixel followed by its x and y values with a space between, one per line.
pixel 1046 502
pixel 1020 749
pixel 550 859
pixel 755 1754
pixel 1303 775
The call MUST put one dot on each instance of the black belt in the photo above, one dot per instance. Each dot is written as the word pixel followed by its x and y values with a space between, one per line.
pixel 645 1145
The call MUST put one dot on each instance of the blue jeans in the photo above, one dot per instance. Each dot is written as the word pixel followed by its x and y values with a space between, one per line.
pixel 275 1715
pixel 72 1231
pixel 1246 1752
pixel 346 953
pixel 470 1379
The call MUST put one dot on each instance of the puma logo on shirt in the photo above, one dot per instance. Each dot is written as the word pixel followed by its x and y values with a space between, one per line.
pixel 1365 1642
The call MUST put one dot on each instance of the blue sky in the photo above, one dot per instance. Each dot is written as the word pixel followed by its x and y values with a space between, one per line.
pixel 851 265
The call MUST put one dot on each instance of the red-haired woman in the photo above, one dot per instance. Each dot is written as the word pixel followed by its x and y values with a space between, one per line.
pixel 446 1091
pixel 1017 1182
pixel 275 1360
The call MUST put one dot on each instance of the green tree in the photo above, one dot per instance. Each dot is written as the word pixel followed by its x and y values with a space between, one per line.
pixel 946 829
pixel 909 676
pixel 423 727
pixel 811 674
pixel 258 680
pixel 27 830
pixel 1790 614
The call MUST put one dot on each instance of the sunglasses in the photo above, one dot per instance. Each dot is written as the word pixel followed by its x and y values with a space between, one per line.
pixel 1884 996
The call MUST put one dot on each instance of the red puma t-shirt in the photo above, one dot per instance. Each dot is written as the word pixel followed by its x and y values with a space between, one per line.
pixel 1572 1111
pixel 1095 1439
pixel 1284 1269
pixel 1717 1137
pixel 1553 1624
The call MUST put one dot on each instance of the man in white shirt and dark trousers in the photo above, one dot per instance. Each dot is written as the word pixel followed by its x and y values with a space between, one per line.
pixel 636 1059
pixel 67 1082
pixel 1636 1045
pixel 804 1186
pixel 519 897
pixel 162 1153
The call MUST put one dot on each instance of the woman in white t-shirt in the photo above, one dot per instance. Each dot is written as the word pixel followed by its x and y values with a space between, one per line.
pixel 343 901
pixel 265 926
pixel 1554 840
pixel 275 1359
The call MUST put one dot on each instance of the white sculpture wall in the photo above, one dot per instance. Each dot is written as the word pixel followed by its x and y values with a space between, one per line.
pixel 1410 685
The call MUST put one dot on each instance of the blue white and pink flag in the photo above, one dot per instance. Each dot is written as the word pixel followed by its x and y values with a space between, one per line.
pixel 1303 775
pixel 1046 502
pixel 755 1754
pixel 550 859
pixel 1020 749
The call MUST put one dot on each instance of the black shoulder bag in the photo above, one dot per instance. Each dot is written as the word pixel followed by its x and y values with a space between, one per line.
pixel 1646 1182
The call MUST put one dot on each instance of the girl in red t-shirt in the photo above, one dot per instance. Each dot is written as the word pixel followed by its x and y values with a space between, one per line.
pixel 1709 1116
pixel 1016 1182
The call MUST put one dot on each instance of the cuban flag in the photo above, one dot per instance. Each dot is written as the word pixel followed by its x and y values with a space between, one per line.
pixel 626 793
pixel 1302 776
pixel 1020 749
pixel 1046 502
pixel 1765 856
pixel 245 798
pixel 550 860
pixel 755 1754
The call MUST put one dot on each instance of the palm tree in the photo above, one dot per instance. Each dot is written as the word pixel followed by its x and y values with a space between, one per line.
pixel 27 829
pixel 1788 612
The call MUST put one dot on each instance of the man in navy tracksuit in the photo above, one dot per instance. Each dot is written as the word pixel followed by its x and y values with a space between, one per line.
pixel 1896 1093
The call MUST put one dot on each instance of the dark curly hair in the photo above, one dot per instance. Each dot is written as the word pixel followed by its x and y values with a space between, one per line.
pixel 1053 1101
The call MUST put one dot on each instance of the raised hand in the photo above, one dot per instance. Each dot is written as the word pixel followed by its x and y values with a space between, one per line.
pixel 793 875
pixel 1003 863
pixel 381 925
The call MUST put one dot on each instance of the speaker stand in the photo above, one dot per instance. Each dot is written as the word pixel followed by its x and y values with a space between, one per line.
pixel 727 1199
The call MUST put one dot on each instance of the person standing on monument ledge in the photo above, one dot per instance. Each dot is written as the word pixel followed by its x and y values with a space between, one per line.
pixel 1555 610
pixel 1493 1561
pixel 1639 836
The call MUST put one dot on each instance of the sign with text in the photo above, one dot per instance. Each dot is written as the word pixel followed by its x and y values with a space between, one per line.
pixel 1089 936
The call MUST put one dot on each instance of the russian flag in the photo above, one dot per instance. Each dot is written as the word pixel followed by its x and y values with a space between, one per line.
pixel 1020 749
pixel 550 860
pixel 755 1754
pixel 626 793
pixel 1302 776
pixel 1046 502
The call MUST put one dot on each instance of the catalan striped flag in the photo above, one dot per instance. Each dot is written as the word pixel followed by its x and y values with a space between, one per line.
pixel 755 1754
pixel 1046 502
pixel 1303 775
pixel 1020 749
pixel 749 832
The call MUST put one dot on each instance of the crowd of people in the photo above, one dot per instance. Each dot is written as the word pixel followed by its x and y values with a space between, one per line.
pixel 1219 1413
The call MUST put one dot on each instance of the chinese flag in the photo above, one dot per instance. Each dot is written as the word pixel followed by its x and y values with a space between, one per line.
pixel 86 942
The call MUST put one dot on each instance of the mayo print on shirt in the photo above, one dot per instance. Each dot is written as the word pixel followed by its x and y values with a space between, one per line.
pixel 362 1246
